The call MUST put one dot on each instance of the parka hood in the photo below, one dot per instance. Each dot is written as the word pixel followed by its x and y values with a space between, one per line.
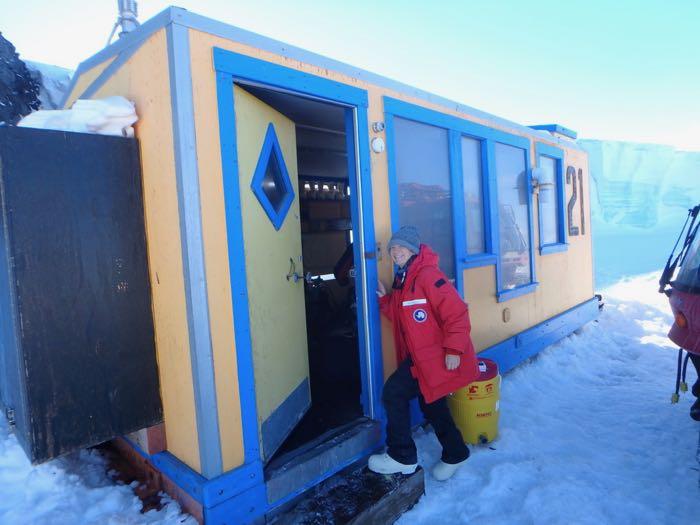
pixel 426 257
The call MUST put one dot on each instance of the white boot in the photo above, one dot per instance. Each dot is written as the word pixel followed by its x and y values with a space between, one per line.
pixel 385 464
pixel 443 471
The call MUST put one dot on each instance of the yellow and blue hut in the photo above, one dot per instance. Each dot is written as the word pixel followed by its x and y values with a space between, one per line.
pixel 272 180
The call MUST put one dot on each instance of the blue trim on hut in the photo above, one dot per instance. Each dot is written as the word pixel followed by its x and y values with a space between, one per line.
pixel 177 15
pixel 558 155
pixel 514 350
pixel 110 70
pixel 556 128
pixel 127 44
pixel 271 152
pixel 231 68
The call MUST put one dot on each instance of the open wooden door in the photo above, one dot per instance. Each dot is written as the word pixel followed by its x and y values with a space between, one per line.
pixel 267 167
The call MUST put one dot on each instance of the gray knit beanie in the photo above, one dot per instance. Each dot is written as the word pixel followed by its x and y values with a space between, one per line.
pixel 407 237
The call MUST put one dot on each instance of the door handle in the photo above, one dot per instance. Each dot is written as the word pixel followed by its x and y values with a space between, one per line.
pixel 293 275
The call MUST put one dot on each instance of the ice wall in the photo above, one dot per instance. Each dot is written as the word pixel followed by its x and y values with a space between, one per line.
pixel 640 196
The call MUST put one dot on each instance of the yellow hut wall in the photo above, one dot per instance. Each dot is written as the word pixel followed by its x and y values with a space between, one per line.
pixel 565 278
pixel 144 78
pixel 87 78
pixel 216 256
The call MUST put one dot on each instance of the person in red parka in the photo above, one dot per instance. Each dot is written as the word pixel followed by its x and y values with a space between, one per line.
pixel 434 352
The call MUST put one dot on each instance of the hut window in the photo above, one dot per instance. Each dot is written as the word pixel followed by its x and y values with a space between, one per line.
pixel 473 195
pixel 513 217
pixel 271 183
pixel 423 185
pixel 551 199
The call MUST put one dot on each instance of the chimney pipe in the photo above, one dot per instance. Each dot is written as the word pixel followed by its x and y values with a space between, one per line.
pixel 127 19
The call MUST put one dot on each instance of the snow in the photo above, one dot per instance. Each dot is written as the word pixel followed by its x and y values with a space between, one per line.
pixel 640 195
pixel 587 431
pixel 105 116
pixel 587 435
pixel 54 83
pixel 75 489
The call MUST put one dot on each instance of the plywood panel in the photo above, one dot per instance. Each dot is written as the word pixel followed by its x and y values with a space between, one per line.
pixel 87 78
pixel 144 78
pixel 216 253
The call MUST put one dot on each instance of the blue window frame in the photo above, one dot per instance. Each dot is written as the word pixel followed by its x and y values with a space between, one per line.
pixel 515 270
pixel 552 225
pixel 271 183
pixel 472 148
pixel 423 182
pixel 473 183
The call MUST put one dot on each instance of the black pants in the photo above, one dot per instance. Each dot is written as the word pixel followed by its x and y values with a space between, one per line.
pixel 399 389
pixel 696 363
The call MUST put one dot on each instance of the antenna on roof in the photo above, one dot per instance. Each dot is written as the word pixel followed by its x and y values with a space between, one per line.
pixel 128 13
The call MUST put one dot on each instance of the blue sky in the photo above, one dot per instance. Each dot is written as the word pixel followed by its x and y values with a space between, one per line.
pixel 619 70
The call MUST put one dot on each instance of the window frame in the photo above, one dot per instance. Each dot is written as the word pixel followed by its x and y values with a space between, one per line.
pixel 488 256
pixel 457 128
pixel 557 154
pixel 426 118
pixel 271 148
pixel 522 143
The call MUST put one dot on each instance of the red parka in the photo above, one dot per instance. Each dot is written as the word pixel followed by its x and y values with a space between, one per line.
pixel 429 320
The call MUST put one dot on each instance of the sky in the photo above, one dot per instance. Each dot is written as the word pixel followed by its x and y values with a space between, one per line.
pixel 624 70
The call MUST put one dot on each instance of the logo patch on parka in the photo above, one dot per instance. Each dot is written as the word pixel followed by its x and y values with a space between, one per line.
pixel 420 316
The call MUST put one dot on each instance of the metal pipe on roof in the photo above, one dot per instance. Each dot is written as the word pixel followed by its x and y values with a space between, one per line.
pixel 128 16
pixel 127 19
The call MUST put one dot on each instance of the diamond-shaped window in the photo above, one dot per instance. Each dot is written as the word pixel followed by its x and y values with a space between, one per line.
pixel 271 183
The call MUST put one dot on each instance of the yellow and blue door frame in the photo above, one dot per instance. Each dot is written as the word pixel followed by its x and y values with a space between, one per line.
pixel 240 494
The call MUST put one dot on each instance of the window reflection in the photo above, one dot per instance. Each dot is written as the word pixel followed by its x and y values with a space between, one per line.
pixel 272 183
pixel 513 216
pixel 473 195
pixel 548 201
pixel 425 193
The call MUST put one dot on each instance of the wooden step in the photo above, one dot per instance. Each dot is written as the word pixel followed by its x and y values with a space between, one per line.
pixel 356 496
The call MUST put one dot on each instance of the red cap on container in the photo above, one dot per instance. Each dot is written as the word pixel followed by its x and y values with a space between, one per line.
pixel 488 369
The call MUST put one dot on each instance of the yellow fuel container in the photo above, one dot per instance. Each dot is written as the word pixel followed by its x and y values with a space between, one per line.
pixel 474 408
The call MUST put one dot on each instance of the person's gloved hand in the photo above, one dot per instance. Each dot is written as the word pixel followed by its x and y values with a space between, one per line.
pixel 451 361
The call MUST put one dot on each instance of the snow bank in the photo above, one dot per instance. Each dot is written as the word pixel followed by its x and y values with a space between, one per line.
pixel 588 434
pixel 640 195
pixel 106 116
pixel 68 491
pixel 54 82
